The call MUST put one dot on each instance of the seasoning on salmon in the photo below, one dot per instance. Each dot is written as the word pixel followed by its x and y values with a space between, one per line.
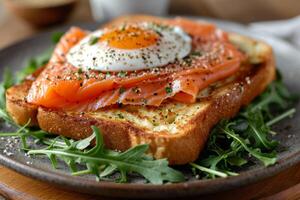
pixel 67 87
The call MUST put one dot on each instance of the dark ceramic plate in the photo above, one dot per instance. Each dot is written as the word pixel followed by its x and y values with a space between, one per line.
pixel 288 60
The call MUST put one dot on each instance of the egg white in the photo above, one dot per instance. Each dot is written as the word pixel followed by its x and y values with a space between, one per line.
pixel 174 44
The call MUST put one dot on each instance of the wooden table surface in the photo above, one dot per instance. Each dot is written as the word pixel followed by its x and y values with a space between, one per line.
pixel 18 187
pixel 281 187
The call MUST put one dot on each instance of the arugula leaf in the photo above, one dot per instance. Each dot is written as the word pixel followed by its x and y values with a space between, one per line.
pixel 83 144
pixel 132 160
pixel 259 131
pixel 236 161
pixel 288 113
pixel 56 36
pixel 267 159
pixel 33 64
pixel 7 81
pixel 275 95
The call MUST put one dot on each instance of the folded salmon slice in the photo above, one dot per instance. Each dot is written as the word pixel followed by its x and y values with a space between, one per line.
pixel 63 86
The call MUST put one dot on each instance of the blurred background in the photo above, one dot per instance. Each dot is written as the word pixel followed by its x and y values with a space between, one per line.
pixel 22 18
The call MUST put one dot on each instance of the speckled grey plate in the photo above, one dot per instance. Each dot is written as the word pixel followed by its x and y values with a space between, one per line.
pixel 288 60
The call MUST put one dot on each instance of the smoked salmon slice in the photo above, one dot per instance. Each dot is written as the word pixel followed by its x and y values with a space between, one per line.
pixel 63 86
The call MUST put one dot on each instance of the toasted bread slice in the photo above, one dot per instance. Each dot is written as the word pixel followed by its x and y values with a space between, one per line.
pixel 174 130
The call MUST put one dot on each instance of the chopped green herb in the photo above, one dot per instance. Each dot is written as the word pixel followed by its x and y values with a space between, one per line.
pixel 108 74
pixel 123 27
pixel 122 74
pixel 136 90
pixel 145 101
pixel 122 90
pixel 93 40
pixel 187 61
pixel 158 33
pixel 169 90
pixel 120 116
pixel 160 27
pixel 196 53
pixel 79 71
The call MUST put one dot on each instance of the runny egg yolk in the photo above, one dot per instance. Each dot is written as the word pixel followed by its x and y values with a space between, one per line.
pixel 130 38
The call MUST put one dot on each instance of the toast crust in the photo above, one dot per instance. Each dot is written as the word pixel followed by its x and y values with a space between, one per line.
pixel 19 110
pixel 180 148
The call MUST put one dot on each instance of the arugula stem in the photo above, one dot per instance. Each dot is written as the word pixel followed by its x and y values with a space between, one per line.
pixel 49 141
pixel 272 132
pixel 258 135
pixel 260 104
pixel 104 160
pixel 210 171
pixel 231 173
pixel 280 117
pixel 23 142
pixel 9 134
pixel 82 172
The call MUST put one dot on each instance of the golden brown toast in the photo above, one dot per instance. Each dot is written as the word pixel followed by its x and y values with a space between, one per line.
pixel 175 131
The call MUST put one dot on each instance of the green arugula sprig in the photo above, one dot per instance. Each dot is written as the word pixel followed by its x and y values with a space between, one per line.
pixel 23 132
pixel 239 141
pixel 103 162
pixel 34 63
pixel 98 160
